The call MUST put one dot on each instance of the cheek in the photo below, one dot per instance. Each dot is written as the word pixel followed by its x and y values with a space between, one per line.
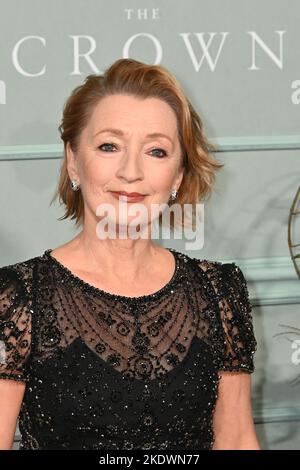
pixel 96 177
pixel 160 178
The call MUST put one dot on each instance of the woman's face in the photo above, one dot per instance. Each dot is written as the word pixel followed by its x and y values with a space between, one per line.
pixel 127 159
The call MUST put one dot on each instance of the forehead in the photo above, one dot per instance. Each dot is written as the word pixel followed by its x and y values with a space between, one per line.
pixel 130 113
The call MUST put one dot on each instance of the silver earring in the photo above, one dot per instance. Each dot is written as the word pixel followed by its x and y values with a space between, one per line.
pixel 174 194
pixel 74 185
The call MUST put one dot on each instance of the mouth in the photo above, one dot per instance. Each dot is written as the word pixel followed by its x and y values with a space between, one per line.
pixel 129 197
pixel 129 194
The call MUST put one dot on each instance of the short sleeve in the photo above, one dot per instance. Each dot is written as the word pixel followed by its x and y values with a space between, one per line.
pixel 15 326
pixel 236 321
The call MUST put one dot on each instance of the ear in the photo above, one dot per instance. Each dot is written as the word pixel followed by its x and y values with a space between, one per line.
pixel 72 163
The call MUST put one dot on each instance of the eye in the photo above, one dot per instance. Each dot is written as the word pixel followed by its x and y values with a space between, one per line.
pixel 110 144
pixel 160 150
pixel 107 143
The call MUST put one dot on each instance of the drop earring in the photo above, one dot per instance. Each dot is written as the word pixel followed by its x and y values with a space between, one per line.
pixel 173 194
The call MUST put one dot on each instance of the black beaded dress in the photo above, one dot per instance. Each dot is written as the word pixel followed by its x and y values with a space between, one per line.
pixel 106 371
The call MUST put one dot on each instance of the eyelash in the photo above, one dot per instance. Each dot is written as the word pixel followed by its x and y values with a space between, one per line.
pixel 157 148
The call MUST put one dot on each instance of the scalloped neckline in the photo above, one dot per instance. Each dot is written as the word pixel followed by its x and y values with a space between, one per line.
pixel 97 290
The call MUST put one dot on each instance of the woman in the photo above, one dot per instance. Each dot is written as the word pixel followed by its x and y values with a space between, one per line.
pixel 118 343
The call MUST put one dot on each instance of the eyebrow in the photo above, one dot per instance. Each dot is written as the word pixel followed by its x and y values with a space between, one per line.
pixel 121 133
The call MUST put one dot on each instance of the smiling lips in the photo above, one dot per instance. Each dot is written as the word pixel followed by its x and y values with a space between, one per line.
pixel 129 194
pixel 130 197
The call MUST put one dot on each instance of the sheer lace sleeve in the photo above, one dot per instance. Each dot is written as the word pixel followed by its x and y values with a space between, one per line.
pixel 232 333
pixel 236 320
pixel 15 326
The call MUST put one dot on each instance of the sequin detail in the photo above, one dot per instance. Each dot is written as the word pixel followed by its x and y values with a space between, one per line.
pixel 106 371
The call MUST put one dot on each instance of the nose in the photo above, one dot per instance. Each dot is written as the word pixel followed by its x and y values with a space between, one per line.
pixel 130 168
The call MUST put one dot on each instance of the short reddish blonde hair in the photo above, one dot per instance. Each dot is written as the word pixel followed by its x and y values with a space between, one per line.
pixel 129 76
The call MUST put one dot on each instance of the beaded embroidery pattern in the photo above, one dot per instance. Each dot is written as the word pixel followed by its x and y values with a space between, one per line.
pixel 106 371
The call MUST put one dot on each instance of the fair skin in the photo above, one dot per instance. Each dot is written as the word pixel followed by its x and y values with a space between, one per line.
pixel 133 163
pixel 131 267
pixel 11 397
pixel 232 420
